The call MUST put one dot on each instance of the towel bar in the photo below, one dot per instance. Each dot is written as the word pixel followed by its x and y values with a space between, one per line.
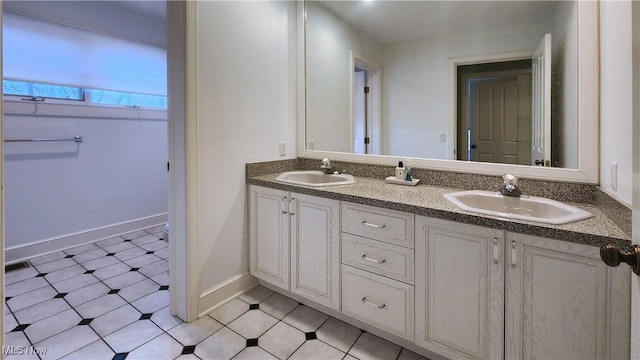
pixel 77 139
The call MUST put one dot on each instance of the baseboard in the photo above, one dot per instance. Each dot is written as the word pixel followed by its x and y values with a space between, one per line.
pixel 43 247
pixel 221 294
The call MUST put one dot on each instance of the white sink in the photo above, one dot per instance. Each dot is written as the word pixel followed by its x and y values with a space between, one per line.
pixel 315 178
pixel 523 208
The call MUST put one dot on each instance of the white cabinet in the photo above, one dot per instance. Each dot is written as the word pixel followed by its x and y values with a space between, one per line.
pixel 378 267
pixel 459 289
pixel 269 235
pixel 295 244
pixel 390 226
pixel 388 260
pixel 315 249
pixel 561 300
pixel 380 301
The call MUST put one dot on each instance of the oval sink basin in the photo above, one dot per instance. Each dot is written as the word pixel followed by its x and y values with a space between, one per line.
pixel 522 208
pixel 315 178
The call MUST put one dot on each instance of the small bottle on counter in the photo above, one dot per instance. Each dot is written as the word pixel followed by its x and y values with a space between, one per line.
pixel 401 171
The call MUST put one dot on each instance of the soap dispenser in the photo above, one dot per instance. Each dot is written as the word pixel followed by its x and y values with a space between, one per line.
pixel 401 171
pixel 408 176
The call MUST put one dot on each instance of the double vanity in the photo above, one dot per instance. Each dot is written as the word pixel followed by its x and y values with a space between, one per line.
pixel 407 264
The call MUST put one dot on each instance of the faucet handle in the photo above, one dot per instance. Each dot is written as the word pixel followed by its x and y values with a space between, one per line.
pixel 326 163
pixel 510 179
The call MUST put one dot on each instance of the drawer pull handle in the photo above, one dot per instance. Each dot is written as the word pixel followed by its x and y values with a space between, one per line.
pixel 373 225
pixel 364 256
pixel 364 300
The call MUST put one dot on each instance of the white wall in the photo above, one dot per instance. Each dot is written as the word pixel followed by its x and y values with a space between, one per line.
pixel 246 104
pixel 330 43
pixel 418 85
pixel 616 97
pixel 118 174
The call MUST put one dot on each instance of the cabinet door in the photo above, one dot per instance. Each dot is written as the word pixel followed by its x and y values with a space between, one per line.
pixel 269 235
pixel 563 301
pixel 315 249
pixel 459 289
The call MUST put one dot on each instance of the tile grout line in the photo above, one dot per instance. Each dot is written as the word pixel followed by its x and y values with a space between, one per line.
pixel 125 300
pixel 72 256
pixel 162 330
pixel 282 320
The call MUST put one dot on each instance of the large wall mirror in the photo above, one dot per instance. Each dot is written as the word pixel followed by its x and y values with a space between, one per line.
pixel 472 86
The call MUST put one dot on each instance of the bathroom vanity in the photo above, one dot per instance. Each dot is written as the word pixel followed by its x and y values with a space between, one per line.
pixel 407 265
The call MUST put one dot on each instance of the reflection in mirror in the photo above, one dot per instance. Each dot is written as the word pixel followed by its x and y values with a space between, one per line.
pixel 490 81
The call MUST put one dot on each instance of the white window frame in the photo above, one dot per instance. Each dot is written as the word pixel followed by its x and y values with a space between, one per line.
pixel 15 105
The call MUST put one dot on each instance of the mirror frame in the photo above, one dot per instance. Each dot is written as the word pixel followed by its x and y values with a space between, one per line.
pixel 588 115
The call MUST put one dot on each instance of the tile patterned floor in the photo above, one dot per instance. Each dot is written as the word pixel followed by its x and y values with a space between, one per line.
pixel 110 300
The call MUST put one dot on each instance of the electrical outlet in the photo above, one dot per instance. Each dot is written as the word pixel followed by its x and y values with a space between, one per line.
pixel 443 137
pixel 613 175
pixel 311 145
pixel 283 148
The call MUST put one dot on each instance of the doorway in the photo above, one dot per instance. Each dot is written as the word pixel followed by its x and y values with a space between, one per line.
pixel 494 112
pixel 176 151
pixel 366 107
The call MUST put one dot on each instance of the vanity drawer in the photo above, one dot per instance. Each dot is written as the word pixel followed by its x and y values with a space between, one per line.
pixel 388 260
pixel 379 301
pixel 391 226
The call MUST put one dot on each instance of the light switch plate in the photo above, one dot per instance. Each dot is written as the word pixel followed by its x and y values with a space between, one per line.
pixel 283 148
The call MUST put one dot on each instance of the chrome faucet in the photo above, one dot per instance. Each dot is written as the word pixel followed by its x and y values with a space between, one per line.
pixel 510 186
pixel 326 166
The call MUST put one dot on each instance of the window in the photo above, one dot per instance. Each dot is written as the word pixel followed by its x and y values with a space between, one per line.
pixel 106 97
pixel 85 96
pixel 30 89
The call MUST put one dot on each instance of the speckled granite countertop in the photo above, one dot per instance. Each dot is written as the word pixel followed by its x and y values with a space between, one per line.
pixel 428 201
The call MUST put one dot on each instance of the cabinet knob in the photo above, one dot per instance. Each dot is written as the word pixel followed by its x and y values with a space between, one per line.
pixel 612 256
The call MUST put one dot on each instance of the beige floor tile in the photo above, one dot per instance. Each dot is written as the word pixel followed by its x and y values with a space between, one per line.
pixel 252 324
pixel 230 311
pixel 224 344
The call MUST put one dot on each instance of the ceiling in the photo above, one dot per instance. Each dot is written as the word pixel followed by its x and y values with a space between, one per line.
pixel 391 21
pixel 142 21
pixel 152 8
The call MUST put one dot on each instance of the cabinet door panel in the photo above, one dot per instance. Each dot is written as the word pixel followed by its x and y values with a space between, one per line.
pixel 558 303
pixel 315 249
pixel 269 235
pixel 459 289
